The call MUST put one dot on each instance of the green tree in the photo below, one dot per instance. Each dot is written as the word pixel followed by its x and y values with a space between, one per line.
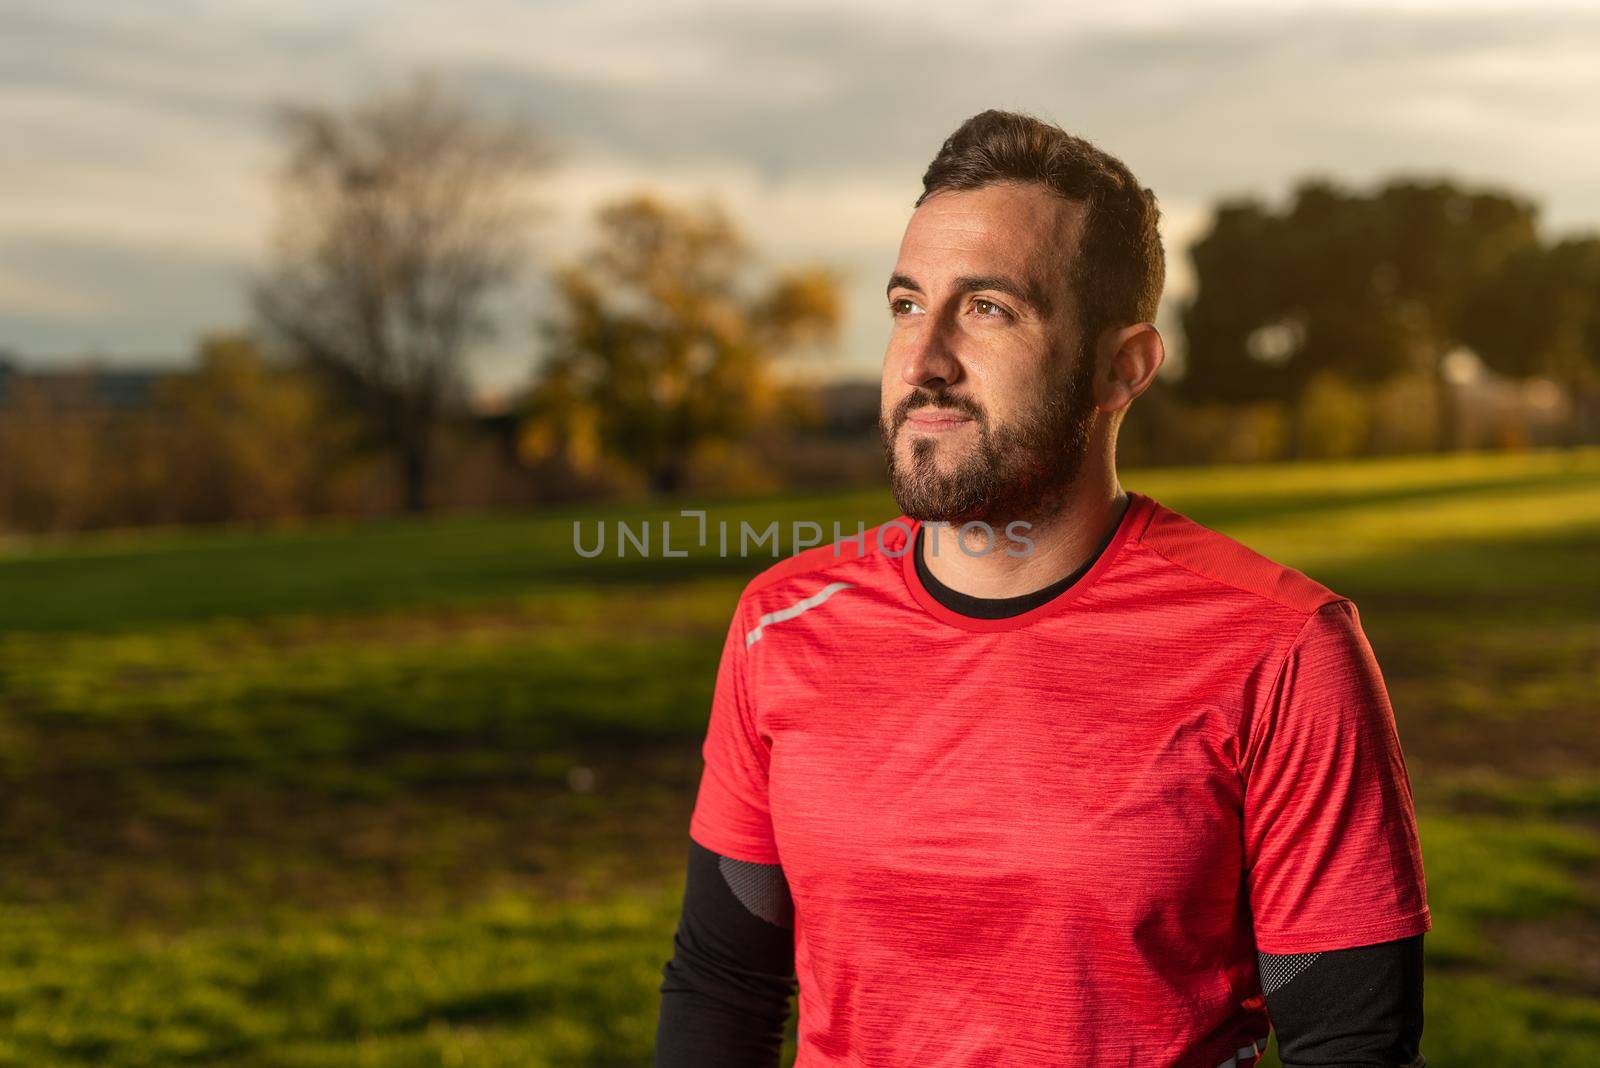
pixel 1445 245
pixel 1239 330
pixel 659 342
pixel 1540 315
pixel 1362 285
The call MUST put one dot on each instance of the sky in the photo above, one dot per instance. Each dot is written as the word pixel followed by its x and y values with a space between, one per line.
pixel 136 192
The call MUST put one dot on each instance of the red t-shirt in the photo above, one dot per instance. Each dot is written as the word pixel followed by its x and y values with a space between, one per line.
pixel 1058 838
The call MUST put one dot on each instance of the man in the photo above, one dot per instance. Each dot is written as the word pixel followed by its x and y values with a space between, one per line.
pixel 1042 772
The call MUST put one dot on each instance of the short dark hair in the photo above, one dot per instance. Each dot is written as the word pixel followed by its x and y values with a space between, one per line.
pixel 1120 267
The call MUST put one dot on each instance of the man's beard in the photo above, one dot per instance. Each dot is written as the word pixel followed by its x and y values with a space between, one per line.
pixel 1021 471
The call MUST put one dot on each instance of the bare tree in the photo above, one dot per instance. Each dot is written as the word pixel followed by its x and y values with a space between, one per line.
pixel 399 220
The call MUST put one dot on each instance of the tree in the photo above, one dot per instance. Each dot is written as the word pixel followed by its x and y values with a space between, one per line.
pixel 1444 246
pixel 1287 301
pixel 50 474
pixel 659 343
pixel 1363 286
pixel 1238 328
pixel 400 219
pixel 247 439
pixel 1540 315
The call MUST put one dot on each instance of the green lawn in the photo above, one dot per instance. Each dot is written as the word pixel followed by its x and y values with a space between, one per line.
pixel 417 793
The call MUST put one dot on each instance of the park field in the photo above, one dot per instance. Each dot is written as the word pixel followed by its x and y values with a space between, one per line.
pixel 416 793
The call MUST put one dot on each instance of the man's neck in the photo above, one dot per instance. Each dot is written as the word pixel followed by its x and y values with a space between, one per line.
pixel 1060 545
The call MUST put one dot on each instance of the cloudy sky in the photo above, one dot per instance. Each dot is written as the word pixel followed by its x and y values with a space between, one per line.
pixel 135 189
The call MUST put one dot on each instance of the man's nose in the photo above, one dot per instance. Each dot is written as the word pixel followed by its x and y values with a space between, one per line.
pixel 929 360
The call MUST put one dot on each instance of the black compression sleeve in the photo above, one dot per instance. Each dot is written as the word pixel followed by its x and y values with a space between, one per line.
pixel 1350 1008
pixel 725 992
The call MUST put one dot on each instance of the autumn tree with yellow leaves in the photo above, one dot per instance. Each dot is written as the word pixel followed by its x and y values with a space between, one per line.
pixel 661 341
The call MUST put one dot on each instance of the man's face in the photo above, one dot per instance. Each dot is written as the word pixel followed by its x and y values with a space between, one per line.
pixel 987 388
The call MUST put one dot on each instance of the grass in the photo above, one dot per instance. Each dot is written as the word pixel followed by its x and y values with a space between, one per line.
pixel 417 793
pixel 480 986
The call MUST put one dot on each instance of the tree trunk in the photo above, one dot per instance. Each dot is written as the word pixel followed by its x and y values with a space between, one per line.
pixel 667 478
pixel 1448 415
pixel 414 475
pixel 1580 428
pixel 1295 439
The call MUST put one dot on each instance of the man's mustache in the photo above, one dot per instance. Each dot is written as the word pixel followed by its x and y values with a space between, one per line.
pixel 922 398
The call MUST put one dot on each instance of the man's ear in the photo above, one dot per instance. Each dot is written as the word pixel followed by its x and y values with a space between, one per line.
pixel 1129 358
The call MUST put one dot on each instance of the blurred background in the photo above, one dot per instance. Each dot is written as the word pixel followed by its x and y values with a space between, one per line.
pixel 322 325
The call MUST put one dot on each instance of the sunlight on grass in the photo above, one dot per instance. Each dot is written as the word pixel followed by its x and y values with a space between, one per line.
pixel 416 793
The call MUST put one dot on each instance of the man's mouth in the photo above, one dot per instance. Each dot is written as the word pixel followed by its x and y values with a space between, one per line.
pixel 936 420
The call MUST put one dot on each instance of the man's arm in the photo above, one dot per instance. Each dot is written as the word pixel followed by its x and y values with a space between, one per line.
pixel 1332 857
pixel 1347 1008
pixel 725 992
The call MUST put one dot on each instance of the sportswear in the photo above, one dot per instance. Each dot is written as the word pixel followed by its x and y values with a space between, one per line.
pixel 1068 831
pixel 725 992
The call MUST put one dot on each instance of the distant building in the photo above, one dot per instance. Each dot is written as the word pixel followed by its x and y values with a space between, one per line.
pixel 841 447
pixel 849 408
pixel 84 386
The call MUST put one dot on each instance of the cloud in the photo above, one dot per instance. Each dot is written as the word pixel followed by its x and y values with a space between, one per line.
pixel 22 295
pixel 137 166
pixel 119 299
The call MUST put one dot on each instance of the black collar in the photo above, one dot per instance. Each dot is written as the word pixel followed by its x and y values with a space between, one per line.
pixel 1000 607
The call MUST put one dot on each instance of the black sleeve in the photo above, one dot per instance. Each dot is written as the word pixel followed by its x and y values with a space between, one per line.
pixel 725 992
pixel 1351 1008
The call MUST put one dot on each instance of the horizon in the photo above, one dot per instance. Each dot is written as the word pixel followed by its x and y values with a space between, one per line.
pixel 811 125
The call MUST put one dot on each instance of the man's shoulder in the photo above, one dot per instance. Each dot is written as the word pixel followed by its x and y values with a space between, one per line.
pixel 840 560
pixel 1232 567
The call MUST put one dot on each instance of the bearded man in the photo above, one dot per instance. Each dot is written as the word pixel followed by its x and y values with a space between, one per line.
pixel 1042 771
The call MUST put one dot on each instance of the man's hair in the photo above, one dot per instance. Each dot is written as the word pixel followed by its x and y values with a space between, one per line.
pixel 1119 268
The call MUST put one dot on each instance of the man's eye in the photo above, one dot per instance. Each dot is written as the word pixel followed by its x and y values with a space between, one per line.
pixel 989 309
pixel 901 304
